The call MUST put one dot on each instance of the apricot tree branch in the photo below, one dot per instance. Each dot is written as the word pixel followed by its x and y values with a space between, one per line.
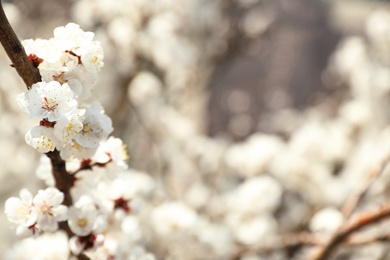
pixel 354 200
pixel 15 51
pixel 360 222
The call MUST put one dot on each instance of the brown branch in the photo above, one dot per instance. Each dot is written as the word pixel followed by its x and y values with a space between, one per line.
pixel 361 240
pixel 354 200
pixel 88 166
pixel 308 239
pixel 15 51
pixel 282 242
pixel 341 235
pixel 62 178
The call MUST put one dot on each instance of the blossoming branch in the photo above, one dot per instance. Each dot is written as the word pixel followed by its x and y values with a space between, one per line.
pixel 72 124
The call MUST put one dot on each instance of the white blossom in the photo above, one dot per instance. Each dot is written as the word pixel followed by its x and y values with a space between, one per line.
pixel 173 217
pixel 49 100
pixel 72 37
pixel 256 195
pixel 48 209
pixel 75 150
pixel 96 126
pixel 44 171
pixel 92 57
pixel 67 127
pixel 327 220
pixel 18 210
pixel 42 139
pixel 46 246
pixel 112 149
pixel 82 216
pixel 47 50
pixel 78 244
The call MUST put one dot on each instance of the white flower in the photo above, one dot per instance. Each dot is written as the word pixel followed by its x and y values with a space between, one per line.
pixel 18 210
pixel 130 184
pixel 67 127
pixel 49 100
pixel 91 242
pixel 48 209
pixel 56 70
pixel 251 230
pixel 71 37
pixel 256 195
pixel 45 49
pixel 44 171
pixel 46 246
pixel 75 150
pixel 173 217
pixel 92 57
pixel 327 220
pixel 97 126
pixel 22 101
pixel 112 149
pixel 81 81
pixel 42 139
pixel 82 216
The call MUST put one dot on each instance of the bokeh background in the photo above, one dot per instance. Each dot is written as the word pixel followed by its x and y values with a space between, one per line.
pixel 252 118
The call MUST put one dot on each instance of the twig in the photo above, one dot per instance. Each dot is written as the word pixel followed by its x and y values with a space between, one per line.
pixel 360 240
pixel 283 242
pixel 308 239
pixel 88 166
pixel 354 200
pixel 362 221
pixel 15 51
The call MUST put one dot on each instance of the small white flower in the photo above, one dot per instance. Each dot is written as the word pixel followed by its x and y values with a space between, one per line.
pixel 246 197
pixel 18 210
pixel 173 217
pixel 91 242
pixel 75 150
pixel 67 127
pixel 49 100
pixel 81 81
pixel 327 220
pixel 130 184
pixel 56 70
pixel 48 209
pixel 46 246
pixel 92 57
pixel 22 101
pixel 45 49
pixel 112 149
pixel 82 216
pixel 42 139
pixel 44 171
pixel 71 37
pixel 251 229
pixel 96 126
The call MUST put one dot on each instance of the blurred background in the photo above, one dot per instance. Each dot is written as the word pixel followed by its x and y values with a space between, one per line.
pixel 257 117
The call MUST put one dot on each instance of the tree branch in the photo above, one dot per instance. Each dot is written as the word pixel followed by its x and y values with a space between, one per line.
pixel 62 178
pixel 282 242
pixel 15 51
pixel 354 200
pixel 341 235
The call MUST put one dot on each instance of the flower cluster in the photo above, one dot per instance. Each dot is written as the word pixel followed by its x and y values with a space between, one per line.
pixel 74 124
pixel 71 121
pixel 41 213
